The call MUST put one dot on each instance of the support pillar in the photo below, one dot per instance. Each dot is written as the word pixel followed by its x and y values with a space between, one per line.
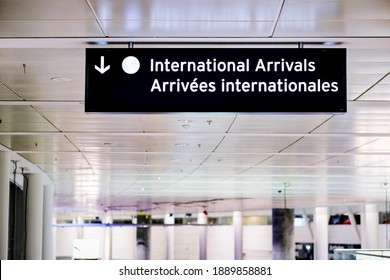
pixel 370 227
pixel 321 220
pixel 4 203
pixel 108 238
pixel 169 220
pixel 143 237
pixel 283 247
pixel 34 217
pixel 48 241
pixel 202 221
pixel 237 225
pixel 79 222
pixel 55 233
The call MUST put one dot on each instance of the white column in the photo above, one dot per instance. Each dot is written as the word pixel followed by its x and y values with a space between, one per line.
pixel 170 235
pixel 108 238
pixel 4 203
pixel 370 227
pixel 48 241
pixel 34 217
pixel 321 219
pixel 202 220
pixel 54 230
pixel 237 225
pixel 79 221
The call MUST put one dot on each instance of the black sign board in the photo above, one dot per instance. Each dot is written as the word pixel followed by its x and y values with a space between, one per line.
pixel 215 80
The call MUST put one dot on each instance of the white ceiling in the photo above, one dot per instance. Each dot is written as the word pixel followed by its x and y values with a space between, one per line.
pixel 187 162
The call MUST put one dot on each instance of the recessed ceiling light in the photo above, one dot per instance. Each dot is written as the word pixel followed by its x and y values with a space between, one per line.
pixel 181 144
pixel 61 79
pixel 330 43
pixel 185 121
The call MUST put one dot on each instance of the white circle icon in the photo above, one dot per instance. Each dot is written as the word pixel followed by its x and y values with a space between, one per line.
pixel 130 65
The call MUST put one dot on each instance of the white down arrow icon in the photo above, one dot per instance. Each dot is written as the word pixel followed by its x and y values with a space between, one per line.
pixel 102 69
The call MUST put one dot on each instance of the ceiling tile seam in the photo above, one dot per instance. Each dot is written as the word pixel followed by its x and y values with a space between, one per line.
pixel 365 144
pixel 11 90
pixel 253 166
pixel 135 181
pixel 199 166
pixel 321 124
pixel 277 17
pixel 231 124
pixel 141 124
pixel 291 144
pixel 222 134
pixel 45 118
pixel 168 153
pixel 372 86
pixel 85 158
pixel 96 18
pixel 324 160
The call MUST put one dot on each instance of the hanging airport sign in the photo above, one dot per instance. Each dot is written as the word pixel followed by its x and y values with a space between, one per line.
pixel 215 80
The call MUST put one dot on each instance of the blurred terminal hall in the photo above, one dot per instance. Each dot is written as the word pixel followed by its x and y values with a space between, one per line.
pixel 175 183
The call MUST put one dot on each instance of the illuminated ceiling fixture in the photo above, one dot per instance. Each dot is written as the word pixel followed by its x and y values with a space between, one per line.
pixel 331 43
pixel 61 79
pixel 185 123
pixel 181 144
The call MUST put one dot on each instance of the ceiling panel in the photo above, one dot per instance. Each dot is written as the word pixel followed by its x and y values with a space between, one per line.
pixel 182 142
pixel 382 145
pixel 107 142
pixel 22 118
pixel 358 123
pixel 334 10
pixel 255 144
pixel 184 162
pixel 57 159
pixel 234 159
pixel 294 160
pixel 7 94
pixel 98 160
pixel 37 143
pixel 186 123
pixel 380 91
pixel 329 144
pixel 285 123
pixel 49 28
pixel 190 10
pixel 118 28
pixel 353 28
pixel 173 161
pixel 48 92
pixel 44 9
